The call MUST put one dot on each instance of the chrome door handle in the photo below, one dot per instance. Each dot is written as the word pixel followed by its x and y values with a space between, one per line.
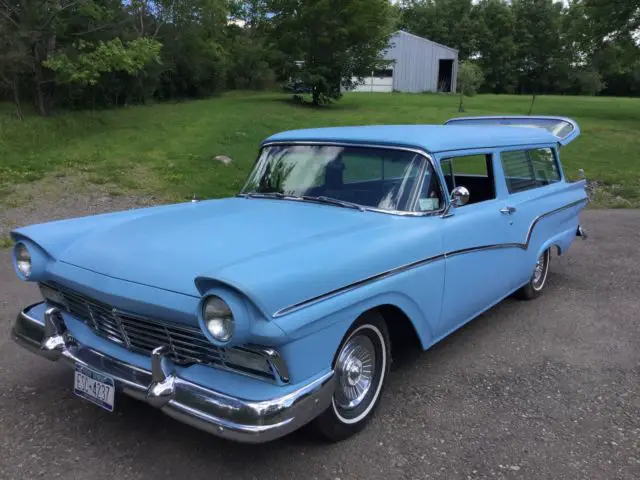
pixel 508 210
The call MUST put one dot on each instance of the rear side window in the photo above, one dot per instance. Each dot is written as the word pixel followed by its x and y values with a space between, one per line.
pixel 527 169
pixel 545 167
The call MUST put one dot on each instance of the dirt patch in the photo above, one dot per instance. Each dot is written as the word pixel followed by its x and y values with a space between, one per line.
pixel 65 196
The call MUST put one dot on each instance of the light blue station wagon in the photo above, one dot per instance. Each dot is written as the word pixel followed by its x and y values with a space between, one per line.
pixel 250 317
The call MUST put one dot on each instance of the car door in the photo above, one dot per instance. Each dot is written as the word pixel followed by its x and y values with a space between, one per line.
pixel 540 205
pixel 477 264
pixel 533 196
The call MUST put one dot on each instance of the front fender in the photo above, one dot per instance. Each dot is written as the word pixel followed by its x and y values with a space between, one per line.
pixel 315 343
pixel 315 332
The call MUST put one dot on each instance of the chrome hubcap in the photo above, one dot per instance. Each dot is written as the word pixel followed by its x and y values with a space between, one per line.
pixel 355 368
pixel 539 272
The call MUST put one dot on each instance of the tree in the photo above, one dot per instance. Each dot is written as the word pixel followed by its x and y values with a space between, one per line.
pixel 496 45
pixel 450 22
pixel 15 65
pixel 614 17
pixel 335 40
pixel 194 54
pixel 541 61
pixel 587 81
pixel 91 61
pixel 470 78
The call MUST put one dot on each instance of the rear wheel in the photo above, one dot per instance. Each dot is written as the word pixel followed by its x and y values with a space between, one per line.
pixel 361 367
pixel 538 280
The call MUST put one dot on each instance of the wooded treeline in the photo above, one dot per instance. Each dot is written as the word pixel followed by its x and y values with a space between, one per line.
pixel 537 46
pixel 101 53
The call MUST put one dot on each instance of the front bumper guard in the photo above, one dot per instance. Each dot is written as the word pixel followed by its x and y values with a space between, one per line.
pixel 209 410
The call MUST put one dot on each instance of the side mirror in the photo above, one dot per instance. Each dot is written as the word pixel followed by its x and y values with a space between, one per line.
pixel 459 197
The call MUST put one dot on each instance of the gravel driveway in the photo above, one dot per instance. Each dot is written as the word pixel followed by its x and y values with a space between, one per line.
pixel 548 389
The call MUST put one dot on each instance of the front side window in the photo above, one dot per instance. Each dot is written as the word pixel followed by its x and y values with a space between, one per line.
pixel 527 169
pixel 367 176
pixel 472 171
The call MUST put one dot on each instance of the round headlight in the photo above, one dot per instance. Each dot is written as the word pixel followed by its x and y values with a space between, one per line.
pixel 218 319
pixel 23 260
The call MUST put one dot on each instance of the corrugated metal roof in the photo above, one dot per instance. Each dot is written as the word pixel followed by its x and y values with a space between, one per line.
pixel 402 32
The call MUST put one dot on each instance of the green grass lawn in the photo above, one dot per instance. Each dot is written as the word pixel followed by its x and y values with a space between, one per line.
pixel 170 148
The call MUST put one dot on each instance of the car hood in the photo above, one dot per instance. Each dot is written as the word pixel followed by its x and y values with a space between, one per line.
pixel 277 252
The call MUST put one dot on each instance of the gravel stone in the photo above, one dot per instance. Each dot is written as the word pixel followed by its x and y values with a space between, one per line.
pixel 546 389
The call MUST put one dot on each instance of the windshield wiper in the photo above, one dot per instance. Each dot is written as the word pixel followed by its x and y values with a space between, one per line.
pixel 278 195
pixel 308 198
pixel 333 201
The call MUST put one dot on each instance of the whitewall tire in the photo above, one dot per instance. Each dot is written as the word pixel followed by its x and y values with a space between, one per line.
pixel 538 279
pixel 361 367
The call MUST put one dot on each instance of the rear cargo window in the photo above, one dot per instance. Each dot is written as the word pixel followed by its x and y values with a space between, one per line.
pixel 527 169
pixel 518 171
pixel 545 167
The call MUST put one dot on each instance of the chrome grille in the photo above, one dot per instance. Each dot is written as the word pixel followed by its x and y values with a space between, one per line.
pixel 141 334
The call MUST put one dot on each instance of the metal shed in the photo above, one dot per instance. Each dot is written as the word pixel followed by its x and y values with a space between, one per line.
pixel 419 65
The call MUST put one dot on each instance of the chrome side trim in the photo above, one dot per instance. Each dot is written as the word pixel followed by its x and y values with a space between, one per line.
pixel 540 217
pixel 276 363
pixel 347 288
pixel 418 151
pixel 353 286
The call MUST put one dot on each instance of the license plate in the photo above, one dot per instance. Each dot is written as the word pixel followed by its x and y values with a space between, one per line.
pixel 94 386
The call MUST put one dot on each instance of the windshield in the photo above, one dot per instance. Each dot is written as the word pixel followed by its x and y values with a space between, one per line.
pixel 368 176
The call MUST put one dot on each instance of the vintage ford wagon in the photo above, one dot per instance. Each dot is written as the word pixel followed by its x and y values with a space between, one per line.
pixel 252 316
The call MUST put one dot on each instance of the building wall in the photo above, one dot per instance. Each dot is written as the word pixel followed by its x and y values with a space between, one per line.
pixel 417 61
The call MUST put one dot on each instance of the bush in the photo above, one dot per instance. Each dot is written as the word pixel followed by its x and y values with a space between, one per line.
pixel 470 77
pixel 588 82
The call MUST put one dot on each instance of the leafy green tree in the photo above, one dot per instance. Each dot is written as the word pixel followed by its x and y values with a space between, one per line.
pixel 496 45
pixel 450 22
pixel 335 39
pixel 613 18
pixel 194 54
pixel 470 78
pixel 91 61
pixel 249 67
pixel 541 59
pixel 587 81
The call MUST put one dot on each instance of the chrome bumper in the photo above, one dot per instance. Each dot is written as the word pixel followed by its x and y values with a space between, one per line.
pixel 215 412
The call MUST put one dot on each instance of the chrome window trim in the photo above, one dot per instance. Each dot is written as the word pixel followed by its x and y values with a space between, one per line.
pixel 352 286
pixel 570 121
pixel 417 188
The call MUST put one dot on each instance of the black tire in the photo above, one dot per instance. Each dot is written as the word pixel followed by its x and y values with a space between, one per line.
pixel 341 421
pixel 538 280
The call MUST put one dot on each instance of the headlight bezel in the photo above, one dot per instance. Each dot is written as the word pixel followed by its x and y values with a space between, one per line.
pixel 217 313
pixel 236 303
pixel 22 248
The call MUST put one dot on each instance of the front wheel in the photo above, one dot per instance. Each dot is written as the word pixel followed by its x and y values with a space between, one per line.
pixel 538 280
pixel 361 367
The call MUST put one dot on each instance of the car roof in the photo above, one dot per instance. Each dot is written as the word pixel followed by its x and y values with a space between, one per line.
pixel 432 138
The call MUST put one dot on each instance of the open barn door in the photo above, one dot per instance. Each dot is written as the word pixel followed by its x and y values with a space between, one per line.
pixel 564 128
